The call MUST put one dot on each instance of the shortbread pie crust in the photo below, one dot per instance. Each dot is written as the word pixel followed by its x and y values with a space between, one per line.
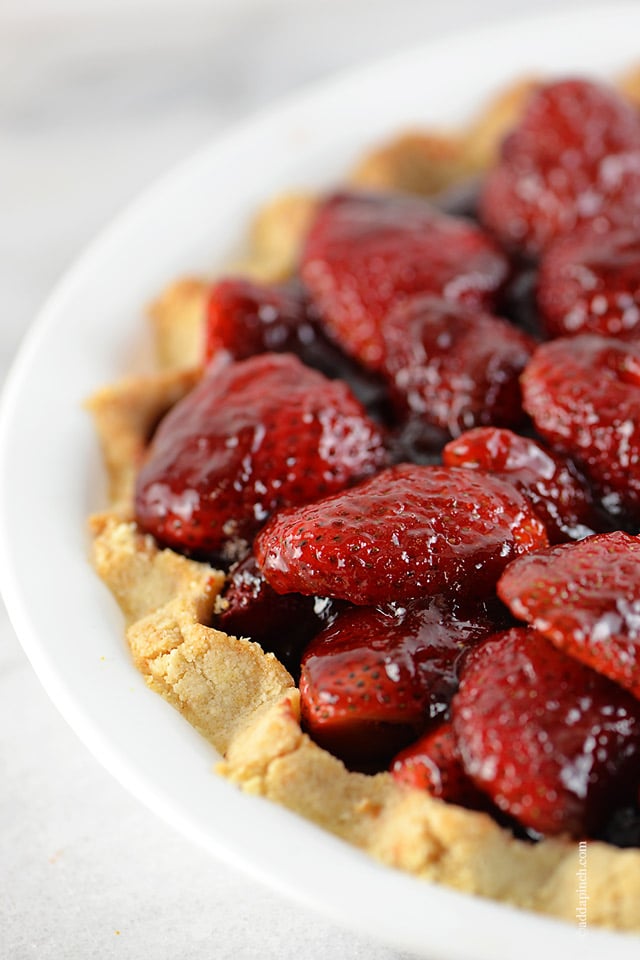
pixel 242 699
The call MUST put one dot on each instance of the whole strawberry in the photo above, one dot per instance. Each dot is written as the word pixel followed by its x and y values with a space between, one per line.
pixel 373 679
pixel 411 531
pixel 557 492
pixel 452 366
pixel 585 598
pixel 572 159
pixel 366 252
pixel 590 283
pixel 252 437
pixel 583 395
pixel 554 745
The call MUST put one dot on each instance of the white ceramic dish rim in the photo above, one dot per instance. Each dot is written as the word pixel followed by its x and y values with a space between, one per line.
pixel 70 629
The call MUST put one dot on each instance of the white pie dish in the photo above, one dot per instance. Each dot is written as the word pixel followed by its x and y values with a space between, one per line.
pixel 88 334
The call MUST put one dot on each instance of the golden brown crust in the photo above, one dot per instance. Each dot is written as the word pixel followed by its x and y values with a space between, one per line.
pixel 177 323
pixel 216 681
pixel 484 135
pixel 414 162
pixel 410 830
pixel 629 85
pixel 276 236
pixel 143 578
pixel 242 699
pixel 178 315
pixel 427 162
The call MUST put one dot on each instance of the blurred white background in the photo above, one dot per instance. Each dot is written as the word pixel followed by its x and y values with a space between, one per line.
pixel 97 98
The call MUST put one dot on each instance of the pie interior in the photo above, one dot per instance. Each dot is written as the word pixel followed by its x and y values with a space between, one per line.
pixel 242 699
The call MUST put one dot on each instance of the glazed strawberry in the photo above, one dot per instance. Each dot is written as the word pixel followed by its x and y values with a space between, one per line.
pixel 453 366
pixel 281 623
pixel 583 394
pixel 553 743
pixel 585 598
pixel 366 252
pixel 373 679
pixel 245 318
pixel 433 764
pixel 571 159
pixel 590 283
pixel 251 437
pixel 558 494
pixel 411 531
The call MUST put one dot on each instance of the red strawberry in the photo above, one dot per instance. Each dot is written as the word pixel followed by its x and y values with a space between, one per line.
pixel 453 366
pixel 554 744
pixel 411 531
pixel 583 394
pixel 551 483
pixel 373 679
pixel 252 437
pixel 366 252
pixel 590 283
pixel 571 159
pixel 246 318
pixel 281 623
pixel 433 764
pixel 585 598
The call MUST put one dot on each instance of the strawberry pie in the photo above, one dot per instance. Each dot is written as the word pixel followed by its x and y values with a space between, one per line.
pixel 374 518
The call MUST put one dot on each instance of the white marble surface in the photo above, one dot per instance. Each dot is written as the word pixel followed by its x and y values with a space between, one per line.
pixel 97 98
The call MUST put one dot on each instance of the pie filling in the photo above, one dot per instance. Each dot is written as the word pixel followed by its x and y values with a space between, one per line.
pixel 417 462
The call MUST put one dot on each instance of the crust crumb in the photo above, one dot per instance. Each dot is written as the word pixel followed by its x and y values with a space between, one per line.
pixel 368 807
